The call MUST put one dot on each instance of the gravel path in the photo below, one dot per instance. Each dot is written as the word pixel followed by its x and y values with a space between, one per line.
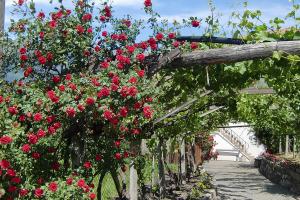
pixel 239 180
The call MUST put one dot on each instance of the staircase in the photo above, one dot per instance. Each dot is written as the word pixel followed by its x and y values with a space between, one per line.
pixel 239 143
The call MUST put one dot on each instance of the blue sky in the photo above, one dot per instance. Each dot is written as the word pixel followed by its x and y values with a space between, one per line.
pixel 179 9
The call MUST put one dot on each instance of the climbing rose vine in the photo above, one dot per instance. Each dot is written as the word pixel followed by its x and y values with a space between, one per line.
pixel 82 102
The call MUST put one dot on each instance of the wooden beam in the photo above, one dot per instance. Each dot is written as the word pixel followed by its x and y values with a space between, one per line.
pixel 174 111
pixel 232 54
pixel 258 91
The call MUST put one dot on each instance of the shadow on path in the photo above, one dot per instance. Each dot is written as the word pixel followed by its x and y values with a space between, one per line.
pixel 236 180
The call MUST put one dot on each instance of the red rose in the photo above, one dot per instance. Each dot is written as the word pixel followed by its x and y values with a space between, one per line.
pixel 49 56
pixel 92 196
pixel 38 193
pixel 132 80
pixel 22 118
pixel 16 180
pixel 62 88
pixel 80 183
pixel 87 17
pixel 32 139
pixel 36 155
pixel 159 36
pixel 23 192
pixel 28 71
pixel 12 110
pixel 89 30
pixel 135 131
pixel 4 164
pixel 172 35
pixel 23 57
pixel 104 92
pixel 26 148
pixel 87 165
pixel 40 133
pixel 194 45
pixel 80 107
pixel 107 11
pixel 12 188
pixel 1 99
pixel 132 91
pixel 148 3
pixel 118 156
pixel 140 57
pixel 69 181
pixel 147 112
pixel 52 187
pixel 68 77
pixel 79 29
pixel 57 125
pixel 90 101
pixel 104 65
pixel 118 143
pixel 56 79
pixel 52 24
pixel 123 111
pixel 97 48
pixel 104 33
pixel 11 172
pixel 195 23
pixel 5 140
pixel 20 2
pixel 176 44
pixel 42 60
pixel 22 50
pixel 70 112
pixel 52 96
pixel 42 35
pixel 98 157
pixel 41 15
pixel 130 49
pixel 107 114
pixel 37 117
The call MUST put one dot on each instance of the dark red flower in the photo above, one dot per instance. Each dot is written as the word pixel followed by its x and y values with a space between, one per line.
pixel 123 111
pixel 40 133
pixel 118 143
pixel 87 165
pixel 42 60
pixel 42 35
pixel 36 155
pixel 32 138
pixel 98 157
pixel 5 140
pixel 12 110
pixel 69 181
pixel 92 196
pixel 107 114
pixel 37 117
pixel 104 92
pixel 159 36
pixel 194 45
pixel 38 193
pixel 52 187
pixel 118 156
pixel 41 15
pixel 140 57
pixel 86 17
pixel 52 24
pixel 70 112
pixel 104 65
pixel 79 29
pixel 23 192
pixel 16 180
pixel 148 3
pixel 81 183
pixel 172 35
pixel 195 23
pixel 4 164
pixel 20 2
pixel 23 57
pixel 49 56
pixel 147 112
pixel 90 101
pixel 26 148
pixel 22 50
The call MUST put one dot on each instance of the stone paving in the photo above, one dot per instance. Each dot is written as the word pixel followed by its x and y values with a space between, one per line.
pixel 240 180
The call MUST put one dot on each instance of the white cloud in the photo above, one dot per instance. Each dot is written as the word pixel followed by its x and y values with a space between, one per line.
pixel 128 2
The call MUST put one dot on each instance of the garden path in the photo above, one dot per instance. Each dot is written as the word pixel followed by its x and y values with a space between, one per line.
pixel 241 181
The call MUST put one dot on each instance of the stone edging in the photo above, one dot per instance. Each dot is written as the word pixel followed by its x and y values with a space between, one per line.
pixel 280 174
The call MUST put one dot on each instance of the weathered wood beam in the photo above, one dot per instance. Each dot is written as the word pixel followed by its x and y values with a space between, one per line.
pixel 185 105
pixel 219 40
pixel 235 53
pixel 232 54
pixel 258 91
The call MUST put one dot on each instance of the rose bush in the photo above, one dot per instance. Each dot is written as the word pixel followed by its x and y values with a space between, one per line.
pixel 82 101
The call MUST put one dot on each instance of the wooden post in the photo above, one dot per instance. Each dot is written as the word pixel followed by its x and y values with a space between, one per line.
pixel 153 179
pixel 161 169
pixel 133 185
pixel 183 162
pixel 2 15
pixel 294 147
pixel 287 144
pixel 280 145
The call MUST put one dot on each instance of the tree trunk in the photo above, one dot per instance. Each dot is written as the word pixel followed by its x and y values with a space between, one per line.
pixel 153 179
pixel 77 150
pixel 294 146
pixel 99 188
pixel 161 169
pixel 115 177
pixel 230 54
pixel 183 162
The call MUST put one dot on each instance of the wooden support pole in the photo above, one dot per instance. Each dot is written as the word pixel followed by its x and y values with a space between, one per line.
pixel 294 146
pixel 287 144
pixel 161 170
pixel 133 185
pixel 183 162
pixel 280 145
